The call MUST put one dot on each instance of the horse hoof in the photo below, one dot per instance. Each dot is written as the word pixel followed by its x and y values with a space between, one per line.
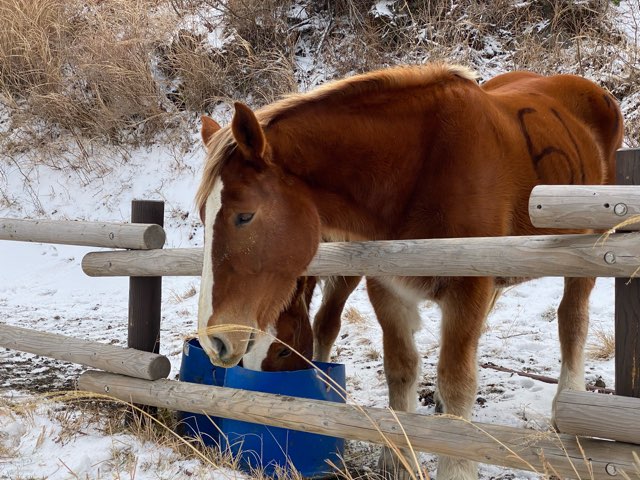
pixel 391 468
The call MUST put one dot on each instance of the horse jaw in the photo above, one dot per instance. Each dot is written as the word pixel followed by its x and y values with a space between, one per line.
pixel 262 342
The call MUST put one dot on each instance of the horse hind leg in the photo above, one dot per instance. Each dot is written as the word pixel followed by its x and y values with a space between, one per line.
pixel 399 318
pixel 465 305
pixel 573 326
pixel 326 324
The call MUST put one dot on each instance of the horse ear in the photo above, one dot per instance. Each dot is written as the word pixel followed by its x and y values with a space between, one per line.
pixel 209 127
pixel 248 133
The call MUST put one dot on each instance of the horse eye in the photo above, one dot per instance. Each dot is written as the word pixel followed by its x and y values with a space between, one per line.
pixel 243 218
pixel 285 352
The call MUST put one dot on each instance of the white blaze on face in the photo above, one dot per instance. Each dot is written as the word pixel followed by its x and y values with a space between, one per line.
pixel 205 301
pixel 258 352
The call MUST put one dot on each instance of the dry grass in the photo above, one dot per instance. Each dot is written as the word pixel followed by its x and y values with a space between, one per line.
pixel 602 346
pixel 79 412
pixel 32 38
pixel 200 72
pixel 124 71
pixel 81 66
pixel 354 316
pixel 372 354
pixel 177 297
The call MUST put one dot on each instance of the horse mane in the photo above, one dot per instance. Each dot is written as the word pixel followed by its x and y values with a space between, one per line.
pixel 391 79
pixel 396 78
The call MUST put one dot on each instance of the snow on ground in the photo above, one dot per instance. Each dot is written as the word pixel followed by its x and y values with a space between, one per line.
pixel 43 287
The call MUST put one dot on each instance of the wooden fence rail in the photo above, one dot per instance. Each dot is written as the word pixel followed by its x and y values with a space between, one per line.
pixel 584 206
pixel 603 416
pixel 125 361
pixel 511 447
pixel 90 234
pixel 532 256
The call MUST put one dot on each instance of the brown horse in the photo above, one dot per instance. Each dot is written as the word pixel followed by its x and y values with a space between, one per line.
pixel 409 152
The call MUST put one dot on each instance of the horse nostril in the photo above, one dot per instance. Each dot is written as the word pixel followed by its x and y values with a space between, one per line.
pixel 219 346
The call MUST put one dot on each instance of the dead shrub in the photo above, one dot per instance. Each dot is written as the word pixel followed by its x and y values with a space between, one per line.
pixel 262 24
pixel 261 77
pixel 197 71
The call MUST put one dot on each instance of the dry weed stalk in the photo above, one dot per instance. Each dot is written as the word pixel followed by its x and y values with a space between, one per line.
pixel 177 297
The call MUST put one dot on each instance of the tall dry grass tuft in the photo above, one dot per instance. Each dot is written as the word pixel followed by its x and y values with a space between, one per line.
pixel 602 346
pixel 259 60
pixel 32 39
pixel 260 77
pixel 84 66
pixel 198 71
pixel 261 23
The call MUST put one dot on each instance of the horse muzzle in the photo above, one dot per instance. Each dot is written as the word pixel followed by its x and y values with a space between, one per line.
pixel 226 349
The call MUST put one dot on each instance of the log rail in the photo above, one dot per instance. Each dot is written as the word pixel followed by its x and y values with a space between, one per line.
pixel 498 445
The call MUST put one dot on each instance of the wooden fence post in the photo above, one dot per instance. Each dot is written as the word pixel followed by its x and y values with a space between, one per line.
pixel 145 293
pixel 145 296
pixel 627 299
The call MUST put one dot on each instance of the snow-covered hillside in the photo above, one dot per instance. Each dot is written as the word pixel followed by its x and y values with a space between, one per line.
pixel 43 287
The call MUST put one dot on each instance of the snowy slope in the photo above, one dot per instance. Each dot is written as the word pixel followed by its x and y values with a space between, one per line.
pixel 43 287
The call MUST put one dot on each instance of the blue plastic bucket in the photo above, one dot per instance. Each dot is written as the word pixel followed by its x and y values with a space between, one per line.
pixel 197 368
pixel 258 446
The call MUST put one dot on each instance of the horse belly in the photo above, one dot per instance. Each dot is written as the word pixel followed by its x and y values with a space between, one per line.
pixel 506 282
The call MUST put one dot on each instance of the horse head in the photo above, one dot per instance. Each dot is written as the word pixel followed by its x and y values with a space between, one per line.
pixel 261 232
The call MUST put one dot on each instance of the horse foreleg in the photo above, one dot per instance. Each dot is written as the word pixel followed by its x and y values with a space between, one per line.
pixel 465 306
pixel 573 326
pixel 399 319
pixel 326 324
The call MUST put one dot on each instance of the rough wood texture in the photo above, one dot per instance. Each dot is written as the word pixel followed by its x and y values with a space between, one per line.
pixel 438 434
pixel 597 415
pixel 170 261
pixel 114 359
pixel 583 206
pixel 627 316
pixel 534 256
pixel 90 234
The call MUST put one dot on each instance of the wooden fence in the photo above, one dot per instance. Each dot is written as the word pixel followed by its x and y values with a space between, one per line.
pixel 618 255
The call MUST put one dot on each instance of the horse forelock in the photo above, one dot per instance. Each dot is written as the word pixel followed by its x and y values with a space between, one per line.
pixel 218 151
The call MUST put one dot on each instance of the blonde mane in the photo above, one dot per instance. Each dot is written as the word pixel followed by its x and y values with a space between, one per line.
pixel 396 78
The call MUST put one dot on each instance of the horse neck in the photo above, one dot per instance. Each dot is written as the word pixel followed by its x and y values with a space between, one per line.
pixel 360 172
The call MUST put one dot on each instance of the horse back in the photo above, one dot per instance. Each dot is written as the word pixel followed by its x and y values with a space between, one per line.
pixel 571 126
